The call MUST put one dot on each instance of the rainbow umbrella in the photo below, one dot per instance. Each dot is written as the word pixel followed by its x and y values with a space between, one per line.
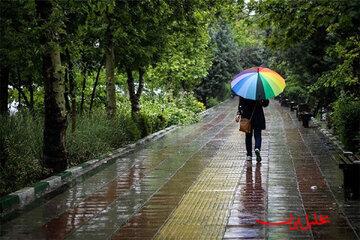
pixel 258 83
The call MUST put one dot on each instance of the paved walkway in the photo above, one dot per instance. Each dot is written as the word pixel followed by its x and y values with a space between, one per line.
pixel 195 184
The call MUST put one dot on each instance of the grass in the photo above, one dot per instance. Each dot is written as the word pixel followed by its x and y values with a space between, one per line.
pixel 21 137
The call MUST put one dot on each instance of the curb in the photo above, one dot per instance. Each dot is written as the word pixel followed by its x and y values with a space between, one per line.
pixel 25 196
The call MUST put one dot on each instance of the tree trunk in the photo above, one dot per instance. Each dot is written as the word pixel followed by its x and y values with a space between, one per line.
pixel 3 153
pixel 4 96
pixel 66 93
pixel 135 96
pixel 135 99
pixel 54 152
pixel 110 78
pixel 31 92
pixel 83 91
pixel 4 85
pixel 95 85
pixel 72 88
pixel 19 90
pixel 21 94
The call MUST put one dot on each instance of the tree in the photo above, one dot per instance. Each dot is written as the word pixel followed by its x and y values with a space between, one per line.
pixel 87 43
pixel 185 60
pixel 224 66
pixel 18 51
pixel 109 17
pixel 147 27
pixel 144 29
pixel 54 152
pixel 4 95
pixel 110 68
pixel 316 44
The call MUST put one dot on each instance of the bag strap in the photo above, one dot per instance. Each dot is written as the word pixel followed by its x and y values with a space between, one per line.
pixel 253 111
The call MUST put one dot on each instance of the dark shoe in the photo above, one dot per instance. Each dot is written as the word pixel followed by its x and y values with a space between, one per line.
pixel 257 153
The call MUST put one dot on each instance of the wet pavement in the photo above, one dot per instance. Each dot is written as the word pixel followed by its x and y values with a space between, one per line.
pixel 194 183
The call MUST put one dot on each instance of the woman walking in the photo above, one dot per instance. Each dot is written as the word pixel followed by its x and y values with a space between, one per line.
pixel 253 109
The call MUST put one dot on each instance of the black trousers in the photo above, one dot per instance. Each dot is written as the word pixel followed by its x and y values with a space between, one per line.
pixel 248 140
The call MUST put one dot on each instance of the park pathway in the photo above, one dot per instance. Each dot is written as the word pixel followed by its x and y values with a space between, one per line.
pixel 194 183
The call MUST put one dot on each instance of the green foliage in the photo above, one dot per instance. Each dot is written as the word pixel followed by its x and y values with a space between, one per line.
pixel 167 110
pixel 251 56
pixel 21 136
pixel 184 62
pixel 213 102
pixel 316 41
pixel 295 92
pixel 346 121
pixel 316 46
pixel 345 75
pixel 225 64
pixel 133 130
pixel 95 134
pixel 247 33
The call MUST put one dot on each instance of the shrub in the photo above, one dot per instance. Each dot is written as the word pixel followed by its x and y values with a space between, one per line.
pixel 346 121
pixel 193 104
pixel 296 93
pixel 132 130
pixel 94 135
pixel 21 138
pixel 212 102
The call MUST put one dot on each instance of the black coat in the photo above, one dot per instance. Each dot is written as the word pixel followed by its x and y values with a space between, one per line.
pixel 247 107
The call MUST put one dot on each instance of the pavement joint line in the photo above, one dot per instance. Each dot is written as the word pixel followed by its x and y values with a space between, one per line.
pixel 244 164
pixel 21 198
pixel 171 176
pixel 157 136
pixel 331 137
pixel 193 191
pixel 267 185
pixel 329 188
pixel 213 125
pixel 294 169
pixel 281 178
pixel 57 180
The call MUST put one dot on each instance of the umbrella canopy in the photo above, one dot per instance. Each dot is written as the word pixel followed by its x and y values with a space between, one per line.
pixel 258 83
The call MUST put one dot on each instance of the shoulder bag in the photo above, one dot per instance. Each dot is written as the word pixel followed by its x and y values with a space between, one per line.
pixel 245 124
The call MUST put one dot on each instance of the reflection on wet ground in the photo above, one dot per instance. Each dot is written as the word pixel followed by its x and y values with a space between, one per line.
pixel 195 184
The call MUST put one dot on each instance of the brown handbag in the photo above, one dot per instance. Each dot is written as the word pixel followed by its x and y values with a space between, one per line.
pixel 245 124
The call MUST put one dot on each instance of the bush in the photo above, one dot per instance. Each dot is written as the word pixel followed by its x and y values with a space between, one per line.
pixel 189 102
pixel 212 102
pixel 21 136
pixel 296 93
pixel 132 129
pixel 95 134
pixel 167 111
pixel 21 140
pixel 346 121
